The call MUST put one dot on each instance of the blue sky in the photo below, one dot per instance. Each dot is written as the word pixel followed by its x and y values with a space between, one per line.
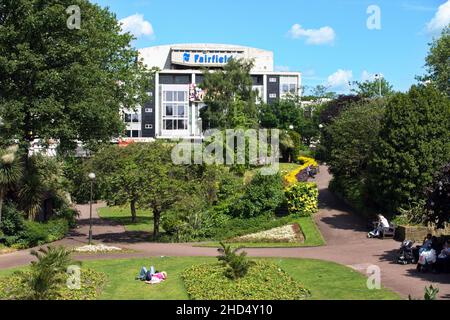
pixel 327 40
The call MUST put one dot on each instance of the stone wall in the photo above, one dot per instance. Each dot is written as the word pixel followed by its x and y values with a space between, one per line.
pixel 419 233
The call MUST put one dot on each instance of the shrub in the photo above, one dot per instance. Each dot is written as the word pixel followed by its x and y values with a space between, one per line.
pixel 35 233
pixel 264 281
pixel 302 198
pixel 12 220
pixel 262 196
pixel 236 265
pixel 438 197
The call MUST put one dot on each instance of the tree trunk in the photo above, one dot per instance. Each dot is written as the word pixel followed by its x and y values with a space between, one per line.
pixel 133 210
pixel 156 218
pixel 1 205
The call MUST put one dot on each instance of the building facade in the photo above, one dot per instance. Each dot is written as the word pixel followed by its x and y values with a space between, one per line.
pixel 176 99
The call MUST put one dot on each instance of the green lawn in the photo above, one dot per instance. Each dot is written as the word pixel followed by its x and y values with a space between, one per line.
pixel 326 280
pixel 122 216
pixel 313 237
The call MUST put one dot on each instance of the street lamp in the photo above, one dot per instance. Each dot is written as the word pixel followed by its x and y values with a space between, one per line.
pixel 379 76
pixel 291 127
pixel 92 178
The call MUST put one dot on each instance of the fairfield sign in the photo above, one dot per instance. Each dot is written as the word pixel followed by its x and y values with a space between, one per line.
pixel 189 58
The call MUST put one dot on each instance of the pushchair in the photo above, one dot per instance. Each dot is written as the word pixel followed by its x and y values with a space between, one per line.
pixel 406 254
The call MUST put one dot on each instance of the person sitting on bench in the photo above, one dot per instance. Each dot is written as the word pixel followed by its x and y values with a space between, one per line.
pixel 382 223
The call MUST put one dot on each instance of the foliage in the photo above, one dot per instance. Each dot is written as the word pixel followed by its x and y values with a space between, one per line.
pixel 76 171
pixel 92 283
pixel 414 142
pixel 438 197
pixel 371 88
pixel 264 281
pixel 10 172
pixel 236 265
pixel 352 137
pixel 414 214
pixel 302 198
pixel 46 274
pixel 58 83
pixel 230 99
pixel 262 196
pixel 320 91
pixel 438 68
pixel 36 233
pixel 431 293
pixel 13 220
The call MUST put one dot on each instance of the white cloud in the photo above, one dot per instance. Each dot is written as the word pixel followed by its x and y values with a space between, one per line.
pixel 137 26
pixel 282 68
pixel 441 19
pixel 322 35
pixel 340 79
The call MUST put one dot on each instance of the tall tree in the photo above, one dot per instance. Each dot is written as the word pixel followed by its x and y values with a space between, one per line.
pixel 230 98
pixel 414 143
pixel 61 83
pixel 437 62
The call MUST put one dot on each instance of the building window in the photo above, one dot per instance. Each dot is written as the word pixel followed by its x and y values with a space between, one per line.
pixel 288 84
pixel 149 110
pixel 148 126
pixel 132 133
pixel 273 95
pixel 175 109
pixel 131 117
pixel 272 79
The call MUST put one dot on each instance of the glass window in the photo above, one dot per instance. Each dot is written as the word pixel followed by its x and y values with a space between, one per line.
pixel 135 133
pixel 285 88
pixel 181 96
pixel 181 110
pixel 169 96
pixel 135 117
pixel 127 117
pixel 168 125
pixel 149 110
pixel 169 110
pixel 293 88
pixel 272 79
pixel 128 133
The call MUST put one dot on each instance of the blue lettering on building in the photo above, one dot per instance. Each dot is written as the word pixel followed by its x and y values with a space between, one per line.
pixel 207 58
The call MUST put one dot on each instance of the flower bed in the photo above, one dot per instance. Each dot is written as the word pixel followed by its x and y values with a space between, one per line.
pixel 303 199
pixel 97 248
pixel 92 283
pixel 264 281
pixel 299 174
pixel 290 233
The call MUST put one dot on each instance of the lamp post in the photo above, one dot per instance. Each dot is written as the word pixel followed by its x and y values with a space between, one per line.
pixel 379 76
pixel 92 178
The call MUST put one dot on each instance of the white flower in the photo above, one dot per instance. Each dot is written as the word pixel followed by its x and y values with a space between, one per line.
pixel 8 158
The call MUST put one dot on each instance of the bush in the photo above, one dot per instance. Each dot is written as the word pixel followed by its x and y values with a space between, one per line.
pixel 35 233
pixel 12 220
pixel 236 265
pixel 262 196
pixel 264 281
pixel 302 198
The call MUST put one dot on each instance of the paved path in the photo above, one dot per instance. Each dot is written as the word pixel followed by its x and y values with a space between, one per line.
pixel 343 230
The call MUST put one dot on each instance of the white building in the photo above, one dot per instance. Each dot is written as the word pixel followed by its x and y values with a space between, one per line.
pixel 173 110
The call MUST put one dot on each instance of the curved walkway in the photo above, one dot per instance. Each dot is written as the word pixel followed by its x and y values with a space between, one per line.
pixel 343 230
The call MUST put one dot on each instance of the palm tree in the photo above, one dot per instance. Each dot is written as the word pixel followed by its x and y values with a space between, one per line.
pixel 10 172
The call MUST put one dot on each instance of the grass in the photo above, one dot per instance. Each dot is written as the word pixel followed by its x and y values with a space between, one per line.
pixel 326 280
pixel 122 215
pixel 313 237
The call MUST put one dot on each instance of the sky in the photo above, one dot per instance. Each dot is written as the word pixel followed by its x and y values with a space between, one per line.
pixel 332 42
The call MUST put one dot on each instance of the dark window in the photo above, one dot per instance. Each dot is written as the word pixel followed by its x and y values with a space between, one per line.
pixel 135 133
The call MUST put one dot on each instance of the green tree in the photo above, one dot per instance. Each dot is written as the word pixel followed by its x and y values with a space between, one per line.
pixel 118 175
pixel 321 91
pixel 414 143
pixel 164 183
pixel 352 137
pixel 437 62
pixel 58 83
pixel 230 99
pixel 10 173
pixel 371 88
